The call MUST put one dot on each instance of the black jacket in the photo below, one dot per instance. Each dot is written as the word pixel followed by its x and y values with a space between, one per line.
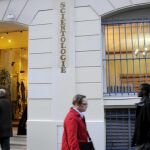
pixel 142 122
pixel 5 118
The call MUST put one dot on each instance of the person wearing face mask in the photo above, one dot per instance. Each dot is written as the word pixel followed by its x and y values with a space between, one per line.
pixel 75 135
pixel 141 137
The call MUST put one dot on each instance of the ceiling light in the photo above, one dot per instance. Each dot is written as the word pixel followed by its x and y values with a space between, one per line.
pixel 136 51
pixel 144 53
pixel 146 49
pixel 9 41
pixel 2 37
pixel 10 16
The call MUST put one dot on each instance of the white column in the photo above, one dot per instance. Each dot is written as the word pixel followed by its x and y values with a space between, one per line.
pixel 40 96
pixel 51 77
pixel 63 70
pixel 89 70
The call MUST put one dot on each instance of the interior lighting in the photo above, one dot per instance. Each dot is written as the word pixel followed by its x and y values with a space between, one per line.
pixel 136 51
pixel 146 49
pixel 9 41
pixel 144 53
pixel 2 37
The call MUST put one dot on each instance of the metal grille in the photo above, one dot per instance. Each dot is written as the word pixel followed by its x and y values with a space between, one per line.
pixel 119 128
pixel 127 56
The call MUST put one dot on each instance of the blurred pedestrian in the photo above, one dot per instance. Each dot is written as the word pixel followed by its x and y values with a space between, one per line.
pixel 5 120
pixel 141 137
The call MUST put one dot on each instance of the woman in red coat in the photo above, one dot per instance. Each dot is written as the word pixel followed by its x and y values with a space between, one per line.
pixel 75 131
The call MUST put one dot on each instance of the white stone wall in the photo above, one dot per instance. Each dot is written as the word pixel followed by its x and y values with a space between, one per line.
pixel 89 70
pixel 84 74
pixel 50 92
pixel 47 84
pixel 41 47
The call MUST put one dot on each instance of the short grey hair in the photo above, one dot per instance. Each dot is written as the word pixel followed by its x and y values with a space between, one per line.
pixel 2 92
pixel 78 99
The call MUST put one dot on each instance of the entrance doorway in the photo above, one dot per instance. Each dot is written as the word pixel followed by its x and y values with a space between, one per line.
pixel 14 64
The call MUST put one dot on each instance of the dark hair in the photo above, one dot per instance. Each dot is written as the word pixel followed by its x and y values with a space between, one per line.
pixel 78 99
pixel 145 87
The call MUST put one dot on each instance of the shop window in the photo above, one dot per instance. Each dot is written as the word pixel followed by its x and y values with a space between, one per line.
pixel 13 67
pixel 119 128
pixel 127 56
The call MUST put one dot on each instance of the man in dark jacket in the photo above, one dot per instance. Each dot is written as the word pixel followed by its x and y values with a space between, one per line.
pixel 141 138
pixel 5 120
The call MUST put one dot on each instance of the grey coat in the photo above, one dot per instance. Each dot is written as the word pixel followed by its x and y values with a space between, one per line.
pixel 5 118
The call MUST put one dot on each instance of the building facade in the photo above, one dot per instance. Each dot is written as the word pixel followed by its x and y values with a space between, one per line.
pixel 68 53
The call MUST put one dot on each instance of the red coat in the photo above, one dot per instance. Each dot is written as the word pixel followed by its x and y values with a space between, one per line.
pixel 75 131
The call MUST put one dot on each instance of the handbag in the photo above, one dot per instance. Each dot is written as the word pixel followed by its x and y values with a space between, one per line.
pixel 86 146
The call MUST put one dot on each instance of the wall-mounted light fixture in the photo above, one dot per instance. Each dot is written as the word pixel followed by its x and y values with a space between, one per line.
pixel 10 16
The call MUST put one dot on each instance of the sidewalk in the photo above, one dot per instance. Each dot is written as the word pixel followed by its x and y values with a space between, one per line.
pixel 17 142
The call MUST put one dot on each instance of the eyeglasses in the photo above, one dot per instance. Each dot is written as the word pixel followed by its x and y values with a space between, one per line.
pixel 85 104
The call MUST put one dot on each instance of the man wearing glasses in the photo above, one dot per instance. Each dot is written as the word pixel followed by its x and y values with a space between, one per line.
pixel 75 135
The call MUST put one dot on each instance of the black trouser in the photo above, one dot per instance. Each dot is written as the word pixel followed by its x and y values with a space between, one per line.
pixel 5 143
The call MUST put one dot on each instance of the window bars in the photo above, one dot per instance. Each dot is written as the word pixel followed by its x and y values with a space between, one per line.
pixel 127 55
pixel 119 128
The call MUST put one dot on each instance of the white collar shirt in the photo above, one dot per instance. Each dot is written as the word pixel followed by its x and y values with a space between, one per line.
pixel 81 113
